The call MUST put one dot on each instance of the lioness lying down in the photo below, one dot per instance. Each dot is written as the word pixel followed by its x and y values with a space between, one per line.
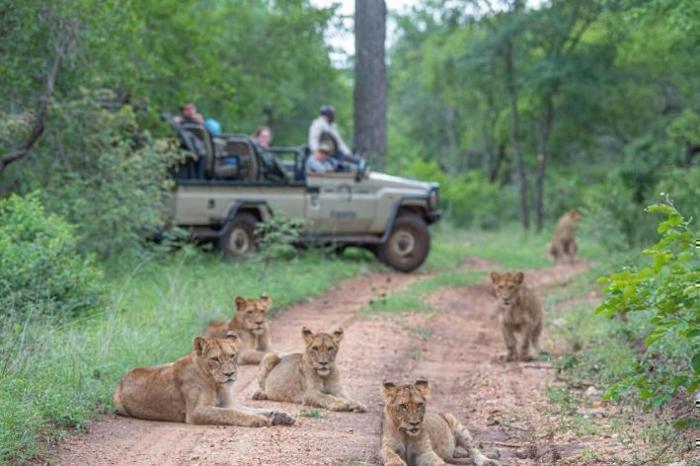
pixel 410 436
pixel 196 389
pixel 309 378
pixel 250 325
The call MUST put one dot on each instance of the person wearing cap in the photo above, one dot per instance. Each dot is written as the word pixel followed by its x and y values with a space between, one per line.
pixel 323 130
pixel 319 161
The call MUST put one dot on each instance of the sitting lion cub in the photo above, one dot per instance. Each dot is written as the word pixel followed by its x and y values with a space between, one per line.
pixel 563 245
pixel 309 378
pixel 196 389
pixel 519 311
pixel 410 436
pixel 250 325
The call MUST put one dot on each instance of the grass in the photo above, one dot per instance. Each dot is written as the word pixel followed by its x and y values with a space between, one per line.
pixel 313 414
pixel 58 376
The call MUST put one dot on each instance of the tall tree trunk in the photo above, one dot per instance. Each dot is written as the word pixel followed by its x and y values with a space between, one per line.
pixel 515 135
pixel 370 81
pixel 542 143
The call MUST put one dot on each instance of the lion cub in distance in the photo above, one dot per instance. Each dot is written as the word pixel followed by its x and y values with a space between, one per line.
pixel 412 437
pixel 196 389
pixel 519 312
pixel 250 325
pixel 563 245
pixel 309 378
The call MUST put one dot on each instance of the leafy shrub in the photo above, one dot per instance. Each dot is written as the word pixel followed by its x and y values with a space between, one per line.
pixel 470 200
pixel 99 170
pixel 41 271
pixel 278 236
pixel 668 289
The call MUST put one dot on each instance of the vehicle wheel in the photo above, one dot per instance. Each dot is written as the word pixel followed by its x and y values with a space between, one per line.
pixel 239 238
pixel 408 244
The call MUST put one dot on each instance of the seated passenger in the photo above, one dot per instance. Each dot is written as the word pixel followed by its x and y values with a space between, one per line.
pixel 319 161
pixel 189 114
pixel 264 137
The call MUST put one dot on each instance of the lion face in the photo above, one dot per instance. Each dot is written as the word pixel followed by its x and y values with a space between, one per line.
pixel 321 349
pixel 506 287
pixel 251 313
pixel 406 405
pixel 218 357
pixel 574 217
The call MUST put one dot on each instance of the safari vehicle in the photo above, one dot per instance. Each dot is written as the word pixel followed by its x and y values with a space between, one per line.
pixel 238 184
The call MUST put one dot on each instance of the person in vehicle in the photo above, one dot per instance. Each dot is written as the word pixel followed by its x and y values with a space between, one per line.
pixel 264 137
pixel 324 130
pixel 189 114
pixel 319 161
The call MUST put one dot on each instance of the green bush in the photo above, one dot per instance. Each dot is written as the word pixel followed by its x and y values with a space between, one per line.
pixel 470 200
pixel 41 270
pixel 667 290
pixel 99 170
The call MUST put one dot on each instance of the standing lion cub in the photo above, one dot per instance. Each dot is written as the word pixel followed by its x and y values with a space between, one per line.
pixel 309 378
pixel 250 325
pixel 563 245
pixel 519 312
pixel 196 389
pixel 412 437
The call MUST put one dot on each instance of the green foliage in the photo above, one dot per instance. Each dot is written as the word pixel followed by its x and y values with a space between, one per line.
pixel 42 272
pixel 278 237
pixel 667 289
pixel 101 171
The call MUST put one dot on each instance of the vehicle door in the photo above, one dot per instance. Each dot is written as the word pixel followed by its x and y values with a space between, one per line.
pixel 337 204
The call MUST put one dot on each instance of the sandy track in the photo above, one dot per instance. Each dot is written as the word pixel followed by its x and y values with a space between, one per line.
pixel 501 403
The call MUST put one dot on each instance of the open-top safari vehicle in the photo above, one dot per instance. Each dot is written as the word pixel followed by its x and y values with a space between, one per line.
pixel 232 184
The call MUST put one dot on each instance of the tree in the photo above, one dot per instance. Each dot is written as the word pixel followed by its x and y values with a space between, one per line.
pixel 370 80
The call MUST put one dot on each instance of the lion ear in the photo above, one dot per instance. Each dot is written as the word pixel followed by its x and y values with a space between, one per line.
pixel 232 336
pixel 239 301
pixel 519 277
pixel 389 389
pixel 199 345
pixel 423 386
pixel 495 277
pixel 266 300
pixel 338 335
pixel 307 334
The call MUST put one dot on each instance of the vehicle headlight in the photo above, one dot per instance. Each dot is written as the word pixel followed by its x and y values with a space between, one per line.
pixel 433 199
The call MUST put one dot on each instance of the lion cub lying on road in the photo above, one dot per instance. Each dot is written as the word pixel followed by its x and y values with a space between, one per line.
pixel 519 311
pixel 563 245
pixel 196 389
pixel 309 378
pixel 410 436
pixel 250 325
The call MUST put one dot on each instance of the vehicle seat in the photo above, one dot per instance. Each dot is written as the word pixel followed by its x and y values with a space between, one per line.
pixel 244 153
pixel 199 141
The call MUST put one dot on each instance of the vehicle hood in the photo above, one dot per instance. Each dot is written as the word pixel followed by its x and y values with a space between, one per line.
pixel 389 181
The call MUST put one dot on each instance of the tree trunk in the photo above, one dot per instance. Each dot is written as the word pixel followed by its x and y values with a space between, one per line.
pixel 542 143
pixel 370 81
pixel 515 135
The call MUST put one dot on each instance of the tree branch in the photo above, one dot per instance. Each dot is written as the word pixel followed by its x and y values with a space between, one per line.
pixel 38 127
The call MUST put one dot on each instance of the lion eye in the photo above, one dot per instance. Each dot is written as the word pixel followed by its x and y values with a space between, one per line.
pixel 249 312
pixel 420 405
pixel 215 360
pixel 315 348
pixel 404 406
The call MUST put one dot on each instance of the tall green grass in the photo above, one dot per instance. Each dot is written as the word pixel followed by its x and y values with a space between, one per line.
pixel 57 377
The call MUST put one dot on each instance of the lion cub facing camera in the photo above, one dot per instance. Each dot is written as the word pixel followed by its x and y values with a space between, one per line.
pixel 309 378
pixel 519 312
pixel 412 436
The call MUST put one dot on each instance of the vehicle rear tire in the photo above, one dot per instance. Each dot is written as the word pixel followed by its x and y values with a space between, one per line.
pixel 239 238
pixel 408 244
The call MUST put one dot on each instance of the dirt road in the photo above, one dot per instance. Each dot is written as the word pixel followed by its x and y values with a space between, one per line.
pixel 456 349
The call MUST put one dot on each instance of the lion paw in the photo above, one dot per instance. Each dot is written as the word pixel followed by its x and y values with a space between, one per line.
pixel 358 407
pixel 259 396
pixel 281 418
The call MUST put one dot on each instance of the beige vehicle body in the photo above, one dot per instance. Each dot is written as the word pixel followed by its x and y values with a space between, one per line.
pixel 352 207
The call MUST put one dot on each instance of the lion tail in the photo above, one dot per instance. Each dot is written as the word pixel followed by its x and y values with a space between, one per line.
pixel 464 439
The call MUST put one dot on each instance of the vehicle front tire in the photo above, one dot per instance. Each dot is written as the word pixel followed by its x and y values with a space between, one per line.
pixel 408 244
pixel 239 238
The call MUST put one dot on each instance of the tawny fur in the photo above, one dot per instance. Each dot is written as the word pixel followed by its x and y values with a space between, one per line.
pixel 415 437
pixel 310 378
pixel 249 323
pixel 563 246
pixel 196 389
pixel 519 312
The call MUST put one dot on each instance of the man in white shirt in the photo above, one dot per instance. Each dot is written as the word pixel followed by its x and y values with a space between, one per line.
pixel 323 129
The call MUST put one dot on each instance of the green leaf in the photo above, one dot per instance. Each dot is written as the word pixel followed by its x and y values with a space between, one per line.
pixel 695 363
pixel 687 423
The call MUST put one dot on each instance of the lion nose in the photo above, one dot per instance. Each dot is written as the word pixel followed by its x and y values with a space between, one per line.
pixel 230 374
pixel 414 423
pixel 323 363
pixel 259 322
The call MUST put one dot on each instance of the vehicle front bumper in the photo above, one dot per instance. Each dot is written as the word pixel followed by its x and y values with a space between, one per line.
pixel 434 216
